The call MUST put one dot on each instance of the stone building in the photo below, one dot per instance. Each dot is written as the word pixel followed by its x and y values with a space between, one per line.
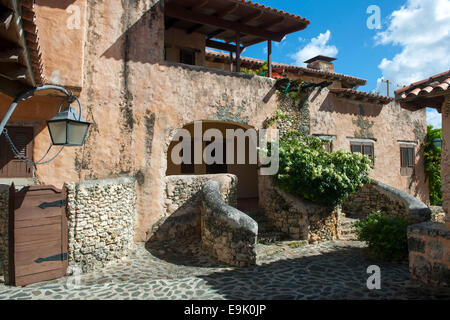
pixel 429 242
pixel 353 120
pixel 142 72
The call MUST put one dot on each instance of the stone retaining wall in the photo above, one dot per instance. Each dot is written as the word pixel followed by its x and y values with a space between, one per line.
pixel 429 253
pixel 378 196
pixel 101 218
pixel 184 201
pixel 4 244
pixel 298 218
pixel 228 234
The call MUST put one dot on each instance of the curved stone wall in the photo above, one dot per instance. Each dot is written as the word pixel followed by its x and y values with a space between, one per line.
pixel 379 196
pixel 183 204
pixel 228 234
pixel 298 218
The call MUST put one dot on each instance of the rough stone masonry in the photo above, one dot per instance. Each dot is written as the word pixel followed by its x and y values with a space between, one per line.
pixel 101 219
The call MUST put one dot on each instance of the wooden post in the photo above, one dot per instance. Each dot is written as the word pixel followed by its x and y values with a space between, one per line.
pixel 238 52
pixel 269 58
pixel 231 61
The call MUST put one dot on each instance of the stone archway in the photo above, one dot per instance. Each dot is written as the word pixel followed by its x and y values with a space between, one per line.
pixel 247 172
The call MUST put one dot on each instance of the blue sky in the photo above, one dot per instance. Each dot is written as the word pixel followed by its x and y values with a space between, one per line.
pixel 412 43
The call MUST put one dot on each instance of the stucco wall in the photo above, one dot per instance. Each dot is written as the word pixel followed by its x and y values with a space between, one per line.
pixel 387 125
pixel 136 102
pixel 61 29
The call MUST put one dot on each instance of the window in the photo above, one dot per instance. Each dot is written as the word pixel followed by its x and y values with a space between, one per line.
pixel 187 56
pixel 10 166
pixel 407 160
pixel 328 142
pixel 365 148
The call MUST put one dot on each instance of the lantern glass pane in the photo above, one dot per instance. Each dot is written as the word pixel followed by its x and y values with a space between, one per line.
pixel 58 132
pixel 77 132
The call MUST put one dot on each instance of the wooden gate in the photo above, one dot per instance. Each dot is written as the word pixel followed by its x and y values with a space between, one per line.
pixel 38 234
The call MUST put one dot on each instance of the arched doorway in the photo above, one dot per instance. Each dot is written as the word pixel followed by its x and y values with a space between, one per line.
pixel 235 136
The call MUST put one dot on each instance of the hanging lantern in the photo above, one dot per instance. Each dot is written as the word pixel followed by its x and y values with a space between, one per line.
pixel 67 128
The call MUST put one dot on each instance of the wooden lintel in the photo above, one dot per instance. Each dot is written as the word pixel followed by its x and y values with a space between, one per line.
pixel 13 71
pixel 6 16
pixel 192 16
pixel 222 46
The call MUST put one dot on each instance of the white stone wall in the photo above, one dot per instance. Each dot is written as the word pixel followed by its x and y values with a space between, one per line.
pixel 101 219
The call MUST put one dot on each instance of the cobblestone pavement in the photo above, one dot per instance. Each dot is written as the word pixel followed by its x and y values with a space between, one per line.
pixel 287 270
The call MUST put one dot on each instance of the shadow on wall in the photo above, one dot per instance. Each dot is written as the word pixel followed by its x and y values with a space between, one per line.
pixel 58 4
pixel 333 104
pixel 134 45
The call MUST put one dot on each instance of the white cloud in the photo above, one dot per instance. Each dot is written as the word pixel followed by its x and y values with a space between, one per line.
pixel 317 46
pixel 422 29
pixel 434 118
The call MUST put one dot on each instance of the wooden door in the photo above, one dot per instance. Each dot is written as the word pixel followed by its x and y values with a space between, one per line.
pixel 38 235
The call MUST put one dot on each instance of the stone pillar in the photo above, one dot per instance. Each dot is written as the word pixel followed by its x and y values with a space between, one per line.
pixel 445 164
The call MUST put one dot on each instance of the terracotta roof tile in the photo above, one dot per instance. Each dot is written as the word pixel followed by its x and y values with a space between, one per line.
pixel 257 62
pixel 434 84
pixel 358 95
pixel 32 40
pixel 272 10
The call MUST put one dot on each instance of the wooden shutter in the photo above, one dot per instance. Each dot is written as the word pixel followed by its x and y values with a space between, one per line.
pixel 10 165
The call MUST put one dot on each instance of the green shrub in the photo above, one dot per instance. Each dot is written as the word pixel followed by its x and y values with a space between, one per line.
pixel 386 236
pixel 308 171
pixel 432 163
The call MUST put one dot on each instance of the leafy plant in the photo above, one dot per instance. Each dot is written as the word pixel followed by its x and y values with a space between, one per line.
pixel 385 235
pixel 432 163
pixel 307 170
pixel 256 72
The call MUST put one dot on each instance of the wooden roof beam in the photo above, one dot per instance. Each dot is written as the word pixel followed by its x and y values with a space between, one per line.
pixel 13 71
pixel 253 16
pixel 188 15
pixel 10 54
pixel 6 16
pixel 230 9
pixel 12 88
pixel 200 4
pixel 222 46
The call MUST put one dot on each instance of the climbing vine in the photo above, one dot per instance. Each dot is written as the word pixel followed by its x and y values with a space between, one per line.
pixel 432 157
